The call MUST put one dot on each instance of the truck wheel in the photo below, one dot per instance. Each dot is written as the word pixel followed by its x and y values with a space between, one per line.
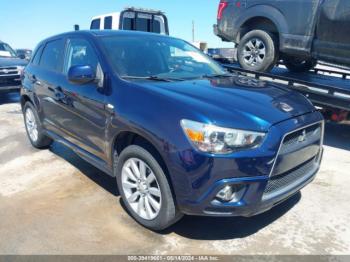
pixel 144 189
pixel 34 129
pixel 257 51
pixel 299 65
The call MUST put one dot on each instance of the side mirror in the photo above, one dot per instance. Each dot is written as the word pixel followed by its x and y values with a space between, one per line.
pixel 22 56
pixel 81 74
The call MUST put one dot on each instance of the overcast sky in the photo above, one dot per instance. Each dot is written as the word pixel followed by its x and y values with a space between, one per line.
pixel 26 22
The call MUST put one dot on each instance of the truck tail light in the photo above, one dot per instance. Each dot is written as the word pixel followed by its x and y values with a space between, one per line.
pixel 222 7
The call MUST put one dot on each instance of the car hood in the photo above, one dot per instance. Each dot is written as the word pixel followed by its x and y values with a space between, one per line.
pixel 239 100
pixel 8 61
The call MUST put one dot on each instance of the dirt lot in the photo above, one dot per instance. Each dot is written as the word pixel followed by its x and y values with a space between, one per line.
pixel 52 202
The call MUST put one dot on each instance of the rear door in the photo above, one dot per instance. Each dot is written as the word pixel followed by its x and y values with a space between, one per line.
pixel 333 31
pixel 46 78
pixel 84 114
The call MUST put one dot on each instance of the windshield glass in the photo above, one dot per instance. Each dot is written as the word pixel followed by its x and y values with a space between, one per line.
pixel 6 50
pixel 156 56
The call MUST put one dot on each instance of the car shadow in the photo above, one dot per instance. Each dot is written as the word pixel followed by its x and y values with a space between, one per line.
pixel 100 178
pixel 223 228
pixel 192 227
pixel 337 135
pixel 9 97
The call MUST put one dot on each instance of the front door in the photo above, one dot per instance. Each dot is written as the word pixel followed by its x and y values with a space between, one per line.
pixel 85 117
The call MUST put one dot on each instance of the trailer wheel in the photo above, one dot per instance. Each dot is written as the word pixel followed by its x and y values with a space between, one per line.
pixel 298 65
pixel 258 51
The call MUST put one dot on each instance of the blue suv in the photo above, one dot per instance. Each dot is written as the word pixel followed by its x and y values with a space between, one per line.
pixel 179 133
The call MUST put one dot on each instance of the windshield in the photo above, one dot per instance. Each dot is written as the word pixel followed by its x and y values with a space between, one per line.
pixel 156 56
pixel 6 51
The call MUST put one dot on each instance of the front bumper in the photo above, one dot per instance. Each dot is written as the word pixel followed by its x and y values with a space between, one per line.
pixel 268 175
pixel 255 199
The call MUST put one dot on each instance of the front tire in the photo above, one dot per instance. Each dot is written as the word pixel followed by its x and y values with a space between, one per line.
pixel 34 128
pixel 299 65
pixel 257 51
pixel 145 189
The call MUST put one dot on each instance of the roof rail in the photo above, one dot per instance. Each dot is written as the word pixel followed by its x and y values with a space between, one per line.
pixel 136 9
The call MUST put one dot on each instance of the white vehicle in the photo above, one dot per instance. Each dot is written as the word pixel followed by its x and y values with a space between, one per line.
pixel 133 19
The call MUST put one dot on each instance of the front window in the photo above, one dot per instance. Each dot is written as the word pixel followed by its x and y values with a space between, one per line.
pixel 80 52
pixel 162 57
pixel 6 51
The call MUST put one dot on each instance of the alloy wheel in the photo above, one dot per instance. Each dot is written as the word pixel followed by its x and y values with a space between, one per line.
pixel 254 52
pixel 31 125
pixel 141 188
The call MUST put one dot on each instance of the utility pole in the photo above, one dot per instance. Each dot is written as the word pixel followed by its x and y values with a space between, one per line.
pixel 193 38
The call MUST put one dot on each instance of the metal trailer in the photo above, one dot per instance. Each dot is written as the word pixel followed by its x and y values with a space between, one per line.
pixel 328 89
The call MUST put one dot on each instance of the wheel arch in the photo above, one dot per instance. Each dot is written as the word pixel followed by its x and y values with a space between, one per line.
pixel 265 18
pixel 127 138
pixel 24 100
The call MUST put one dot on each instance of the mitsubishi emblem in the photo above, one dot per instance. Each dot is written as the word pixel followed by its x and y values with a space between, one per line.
pixel 302 137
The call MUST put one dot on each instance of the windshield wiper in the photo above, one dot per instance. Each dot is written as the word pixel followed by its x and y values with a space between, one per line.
pixel 217 75
pixel 152 78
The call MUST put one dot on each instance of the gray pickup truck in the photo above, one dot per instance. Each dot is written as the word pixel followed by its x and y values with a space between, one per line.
pixel 11 69
pixel 299 32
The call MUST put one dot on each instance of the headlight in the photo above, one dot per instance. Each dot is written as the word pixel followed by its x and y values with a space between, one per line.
pixel 219 140
pixel 20 70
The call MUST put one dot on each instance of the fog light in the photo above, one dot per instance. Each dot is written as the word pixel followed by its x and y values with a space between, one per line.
pixel 230 193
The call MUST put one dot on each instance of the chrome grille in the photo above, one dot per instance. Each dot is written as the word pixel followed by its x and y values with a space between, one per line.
pixel 6 71
pixel 301 138
pixel 281 182
pixel 308 138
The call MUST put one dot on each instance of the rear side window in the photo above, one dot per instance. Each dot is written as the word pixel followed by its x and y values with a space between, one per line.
pixel 108 22
pixel 37 55
pixel 95 24
pixel 52 55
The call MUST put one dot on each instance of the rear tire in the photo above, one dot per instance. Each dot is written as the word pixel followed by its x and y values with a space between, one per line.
pixel 145 193
pixel 258 51
pixel 299 65
pixel 34 127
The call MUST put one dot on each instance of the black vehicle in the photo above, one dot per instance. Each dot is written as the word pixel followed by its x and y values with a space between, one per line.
pixel 24 53
pixel 299 32
pixel 11 68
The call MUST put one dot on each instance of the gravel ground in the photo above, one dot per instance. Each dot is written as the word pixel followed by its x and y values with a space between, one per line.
pixel 52 202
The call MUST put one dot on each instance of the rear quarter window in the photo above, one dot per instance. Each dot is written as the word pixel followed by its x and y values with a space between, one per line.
pixel 51 58
pixel 37 55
